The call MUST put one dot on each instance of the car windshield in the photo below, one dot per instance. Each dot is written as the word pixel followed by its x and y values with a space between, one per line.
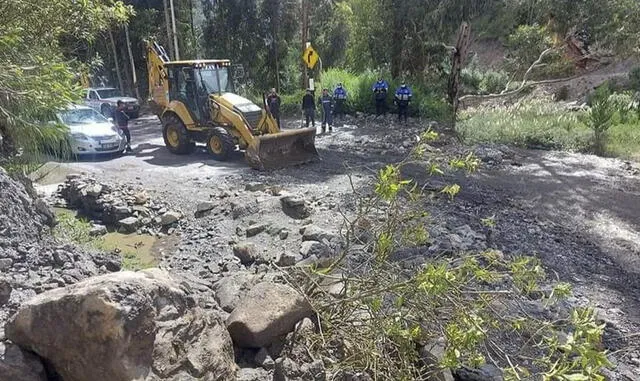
pixel 81 116
pixel 210 82
pixel 109 93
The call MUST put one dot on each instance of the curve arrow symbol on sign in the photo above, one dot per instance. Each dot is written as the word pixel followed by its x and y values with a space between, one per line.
pixel 309 55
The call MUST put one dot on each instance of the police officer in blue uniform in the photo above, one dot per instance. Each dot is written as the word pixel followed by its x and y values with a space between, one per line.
pixel 402 99
pixel 340 97
pixel 326 105
pixel 380 89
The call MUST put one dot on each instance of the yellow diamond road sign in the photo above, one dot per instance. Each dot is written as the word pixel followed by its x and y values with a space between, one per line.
pixel 310 57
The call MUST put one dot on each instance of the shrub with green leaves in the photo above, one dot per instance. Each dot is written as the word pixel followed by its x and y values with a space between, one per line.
pixel 474 304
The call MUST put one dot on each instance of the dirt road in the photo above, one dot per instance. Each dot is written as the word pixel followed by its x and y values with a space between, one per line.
pixel 580 214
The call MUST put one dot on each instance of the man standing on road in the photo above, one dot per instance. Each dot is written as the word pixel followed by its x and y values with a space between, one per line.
pixel 122 121
pixel 402 99
pixel 340 96
pixel 326 105
pixel 380 89
pixel 309 108
pixel 273 103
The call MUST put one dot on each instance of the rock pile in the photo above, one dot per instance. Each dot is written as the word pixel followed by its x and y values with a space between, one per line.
pixel 124 208
pixel 31 261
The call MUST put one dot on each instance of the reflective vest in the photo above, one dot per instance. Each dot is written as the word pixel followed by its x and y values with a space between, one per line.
pixel 403 94
pixel 340 93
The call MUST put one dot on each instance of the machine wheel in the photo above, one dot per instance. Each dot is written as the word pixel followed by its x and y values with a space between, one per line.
pixel 176 136
pixel 220 144
pixel 105 109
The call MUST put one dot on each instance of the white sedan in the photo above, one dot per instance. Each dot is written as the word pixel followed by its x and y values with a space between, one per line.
pixel 90 132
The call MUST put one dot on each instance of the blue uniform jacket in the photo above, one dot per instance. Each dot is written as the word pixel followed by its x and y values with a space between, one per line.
pixel 340 93
pixel 403 95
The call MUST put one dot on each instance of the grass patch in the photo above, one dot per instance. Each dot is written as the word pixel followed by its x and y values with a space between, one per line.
pixel 136 250
pixel 542 124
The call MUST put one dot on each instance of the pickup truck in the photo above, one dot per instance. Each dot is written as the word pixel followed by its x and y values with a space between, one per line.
pixel 104 100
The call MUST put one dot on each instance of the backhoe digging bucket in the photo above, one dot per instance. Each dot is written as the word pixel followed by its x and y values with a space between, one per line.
pixel 283 149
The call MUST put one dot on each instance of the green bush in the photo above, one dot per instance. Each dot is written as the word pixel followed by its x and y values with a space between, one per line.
pixel 634 78
pixel 536 124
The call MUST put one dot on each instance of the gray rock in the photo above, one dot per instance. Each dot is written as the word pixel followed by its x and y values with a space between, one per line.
pixel 253 374
pixel 286 370
pixel 239 210
pixel 93 190
pixel 247 252
pixel 487 372
pixel 314 233
pixel 125 326
pixel 19 365
pixel 98 230
pixel 286 259
pixel 129 224
pixel 318 249
pixel 45 210
pixel 230 289
pixel 430 356
pixel 263 359
pixel 284 234
pixel 266 312
pixel 256 229
pixel 170 217
pixel 5 263
pixel 203 207
pixel 295 207
pixel 5 291
pixel 140 198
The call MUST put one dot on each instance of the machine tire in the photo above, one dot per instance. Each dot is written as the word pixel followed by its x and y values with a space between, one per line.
pixel 176 137
pixel 220 144
pixel 105 109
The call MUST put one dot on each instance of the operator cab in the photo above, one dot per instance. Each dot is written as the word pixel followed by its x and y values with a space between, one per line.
pixel 191 82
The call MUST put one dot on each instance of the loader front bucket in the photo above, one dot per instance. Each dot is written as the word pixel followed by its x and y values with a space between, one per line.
pixel 286 148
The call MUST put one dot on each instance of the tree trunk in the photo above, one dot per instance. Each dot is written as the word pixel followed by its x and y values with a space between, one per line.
pixel 167 17
pixel 115 59
pixel 133 64
pixel 305 38
pixel 457 63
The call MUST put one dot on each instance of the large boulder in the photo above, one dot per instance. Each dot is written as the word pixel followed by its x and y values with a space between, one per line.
pixel 19 365
pixel 267 312
pixel 232 288
pixel 124 326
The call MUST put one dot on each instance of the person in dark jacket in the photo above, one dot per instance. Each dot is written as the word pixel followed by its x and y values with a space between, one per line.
pixel 380 89
pixel 309 108
pixel 122 121
pixel 402 99
pixel 326 105
pixel 340 97
pixel 273 103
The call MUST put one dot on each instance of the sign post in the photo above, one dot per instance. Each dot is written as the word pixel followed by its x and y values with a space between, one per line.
pixel 310 58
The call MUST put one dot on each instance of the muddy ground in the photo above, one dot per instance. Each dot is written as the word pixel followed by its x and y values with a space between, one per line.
pixel 579 213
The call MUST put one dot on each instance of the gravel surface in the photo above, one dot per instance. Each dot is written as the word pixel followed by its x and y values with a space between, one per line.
pixel 578 213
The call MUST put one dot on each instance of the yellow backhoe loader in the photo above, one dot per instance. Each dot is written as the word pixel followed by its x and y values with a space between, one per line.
pixel 195 102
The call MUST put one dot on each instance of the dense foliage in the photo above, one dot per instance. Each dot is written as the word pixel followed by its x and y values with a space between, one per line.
pixel 43 47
